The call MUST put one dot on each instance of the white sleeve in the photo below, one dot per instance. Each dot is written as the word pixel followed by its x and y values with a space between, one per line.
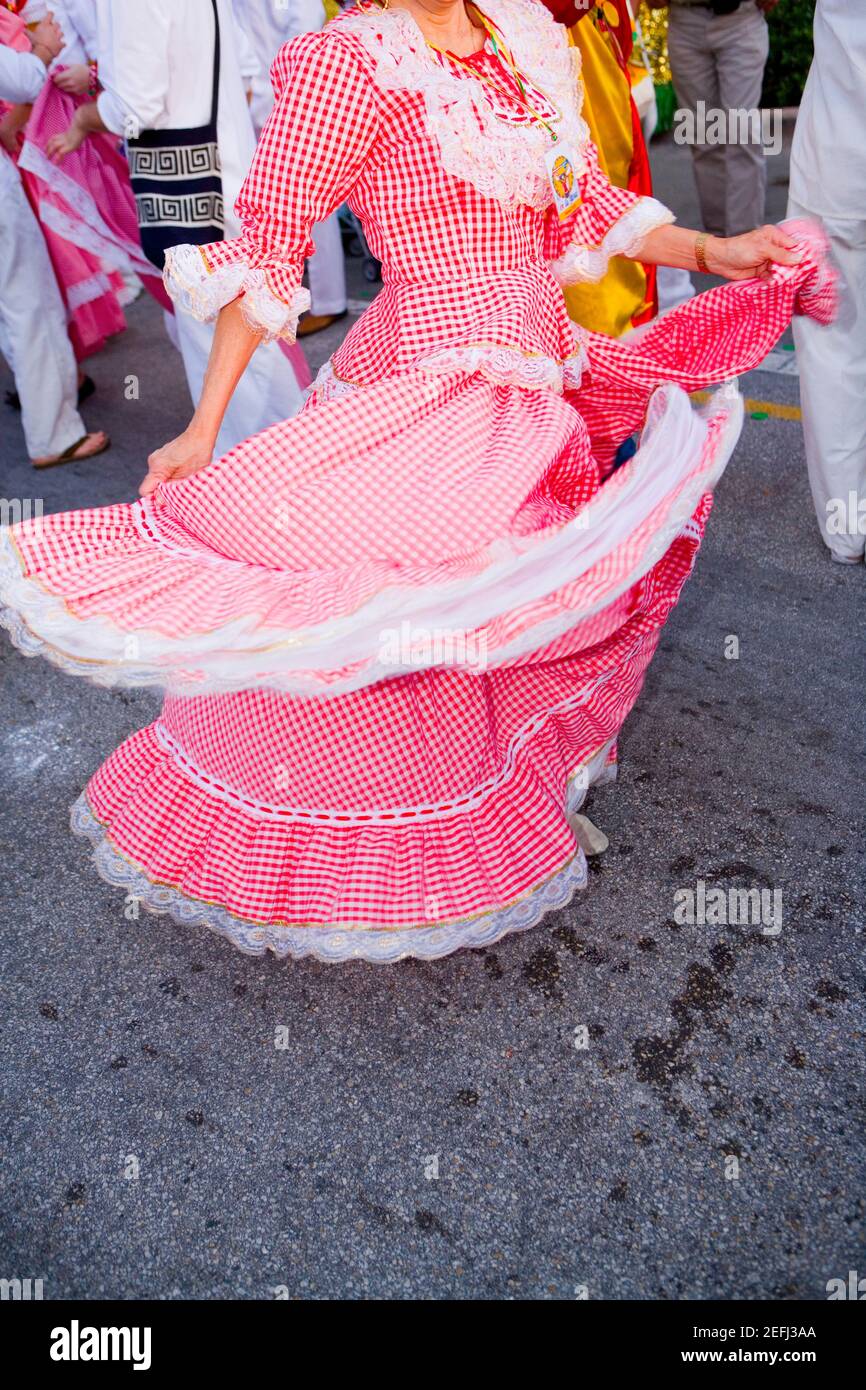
pixel 74 49
pixel 250 67
pixel 22 76
pixel 138 96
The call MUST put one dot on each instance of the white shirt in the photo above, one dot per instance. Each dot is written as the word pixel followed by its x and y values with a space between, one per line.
pixel 268 26
pixel 156 63
pixel 828 156
pixel 22 77
pixel 78 20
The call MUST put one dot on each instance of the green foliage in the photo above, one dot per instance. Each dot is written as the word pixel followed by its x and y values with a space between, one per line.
pixel 790 52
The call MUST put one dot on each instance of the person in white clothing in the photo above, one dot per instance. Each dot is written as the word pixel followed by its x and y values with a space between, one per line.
pixel 828 180
pixel 156 70
pixel 33 336
pixel 77 19
pixel 267 27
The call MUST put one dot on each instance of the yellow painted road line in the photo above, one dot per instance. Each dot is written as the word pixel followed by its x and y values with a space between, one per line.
pixel 753 407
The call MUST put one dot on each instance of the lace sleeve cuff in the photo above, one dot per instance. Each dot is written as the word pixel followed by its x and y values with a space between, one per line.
pixel 589 263
pixel 202 292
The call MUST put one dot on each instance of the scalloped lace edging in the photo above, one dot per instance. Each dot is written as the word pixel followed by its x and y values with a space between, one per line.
pixel 333 945
pixel 580 263
pixel 202 293
pixel 500 363
pixel 508 366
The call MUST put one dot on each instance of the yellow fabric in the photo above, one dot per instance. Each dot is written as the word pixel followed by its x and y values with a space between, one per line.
pixel 610 306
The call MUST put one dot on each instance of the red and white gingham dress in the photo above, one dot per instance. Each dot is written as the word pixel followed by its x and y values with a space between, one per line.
pixel 400 633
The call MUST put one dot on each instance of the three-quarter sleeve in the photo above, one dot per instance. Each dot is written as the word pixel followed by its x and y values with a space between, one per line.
pixel 312 150
pixel 610 221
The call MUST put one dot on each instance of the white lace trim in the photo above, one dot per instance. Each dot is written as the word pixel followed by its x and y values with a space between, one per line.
pixel 86 291
pixel 589 263
pixel 335 944
pixel 92 232
pixel 327 386
pixel 500 363
pixel 507 366
pixel 501 159
pixel 202 293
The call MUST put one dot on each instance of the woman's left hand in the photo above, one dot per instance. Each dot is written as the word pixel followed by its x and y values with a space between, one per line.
pixel 74 79
pixel 752 255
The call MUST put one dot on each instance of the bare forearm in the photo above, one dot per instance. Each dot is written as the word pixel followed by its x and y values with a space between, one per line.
pixel 232 348
pixel 673 246
pixel 88 120
pixel 751 255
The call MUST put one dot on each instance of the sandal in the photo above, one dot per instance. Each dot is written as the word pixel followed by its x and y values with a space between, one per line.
pixel 71 455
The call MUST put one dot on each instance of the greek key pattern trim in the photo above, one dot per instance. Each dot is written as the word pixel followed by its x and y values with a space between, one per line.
pixel 180 210
pixel 174 161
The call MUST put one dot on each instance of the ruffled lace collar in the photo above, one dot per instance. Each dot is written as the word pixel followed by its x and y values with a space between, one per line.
pixel 501 159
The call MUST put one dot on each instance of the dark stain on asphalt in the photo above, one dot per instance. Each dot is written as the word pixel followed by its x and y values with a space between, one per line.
pixel 682 863
pixel 703 993
pixel 542 971
pixel 810 808
pixel 577 946
pixel 722 957
pixel 173 987
pixel 827 989
pixel 750 876
pixel 660 1060
pixel 493 968
pixel 431 1225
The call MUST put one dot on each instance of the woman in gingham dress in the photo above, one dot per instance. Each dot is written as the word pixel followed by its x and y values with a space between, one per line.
pixel 399 633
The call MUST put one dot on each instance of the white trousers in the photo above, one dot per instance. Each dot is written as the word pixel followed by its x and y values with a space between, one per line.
pixel 266 393
pixel 33 335
pixel 832 363
pixel 326 270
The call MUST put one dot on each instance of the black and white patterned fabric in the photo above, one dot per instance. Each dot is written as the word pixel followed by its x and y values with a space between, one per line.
pixel 176 179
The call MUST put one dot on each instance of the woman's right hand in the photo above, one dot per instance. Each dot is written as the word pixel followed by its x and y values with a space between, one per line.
pixel 180 458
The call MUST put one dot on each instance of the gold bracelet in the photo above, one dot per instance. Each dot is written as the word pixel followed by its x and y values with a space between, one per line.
pixel 700 252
